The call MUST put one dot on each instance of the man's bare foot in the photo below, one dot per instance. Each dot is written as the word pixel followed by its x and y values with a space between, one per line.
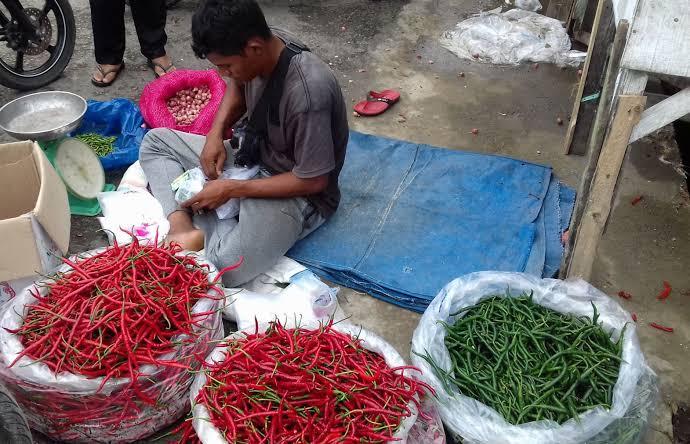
pixel 183 232
pixel 192 240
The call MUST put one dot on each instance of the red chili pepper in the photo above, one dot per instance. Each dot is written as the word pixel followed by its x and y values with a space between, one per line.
pixel 635 200
pixel 634 317
pixel 661 327
pixel 624 295
pixel 323 386
pixel 110 314
pixel 665 292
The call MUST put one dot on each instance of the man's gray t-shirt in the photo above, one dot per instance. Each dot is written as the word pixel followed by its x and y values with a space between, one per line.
pixel 312 137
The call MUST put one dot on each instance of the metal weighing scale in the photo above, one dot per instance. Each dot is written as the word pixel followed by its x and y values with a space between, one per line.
pixel 46 117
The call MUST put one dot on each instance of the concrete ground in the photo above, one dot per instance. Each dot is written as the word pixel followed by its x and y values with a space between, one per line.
pixel 374 44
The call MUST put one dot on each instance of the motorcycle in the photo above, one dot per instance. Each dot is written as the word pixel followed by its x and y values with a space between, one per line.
pixel 40 41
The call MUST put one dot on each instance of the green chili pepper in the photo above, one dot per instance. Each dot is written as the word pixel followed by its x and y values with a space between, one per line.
pixel 529 362
pixel 101 145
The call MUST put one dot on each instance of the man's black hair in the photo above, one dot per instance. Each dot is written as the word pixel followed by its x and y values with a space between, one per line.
pixel 225 26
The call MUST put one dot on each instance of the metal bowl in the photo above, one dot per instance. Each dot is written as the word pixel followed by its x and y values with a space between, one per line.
pixel 43 115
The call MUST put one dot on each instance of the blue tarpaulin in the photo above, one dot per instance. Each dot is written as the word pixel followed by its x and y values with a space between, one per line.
pixel 414 217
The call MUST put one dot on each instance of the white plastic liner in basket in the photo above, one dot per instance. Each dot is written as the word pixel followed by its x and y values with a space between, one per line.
pixel 478 423
pixel 209 434
pixel 31 381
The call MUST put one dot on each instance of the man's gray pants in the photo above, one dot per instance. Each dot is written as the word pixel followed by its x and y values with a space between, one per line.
pixel 267 228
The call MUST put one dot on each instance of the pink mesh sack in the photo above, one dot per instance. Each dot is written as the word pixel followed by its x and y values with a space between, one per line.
pixel 156 109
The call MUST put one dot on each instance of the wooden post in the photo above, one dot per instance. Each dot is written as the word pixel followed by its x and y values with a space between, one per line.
pixel 596 139
pixel 593 81
pixel 585 71
pixel 598 206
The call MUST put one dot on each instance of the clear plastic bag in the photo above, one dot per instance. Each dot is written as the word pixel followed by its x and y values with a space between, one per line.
pixel 191 182
pixel 69 407
pixel 528 5
pixel 188 184
pixel 512 37
pixel 209 434
pixel 429 428
pixel 476 422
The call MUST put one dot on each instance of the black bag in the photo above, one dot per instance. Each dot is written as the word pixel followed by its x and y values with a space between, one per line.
pixel 267 108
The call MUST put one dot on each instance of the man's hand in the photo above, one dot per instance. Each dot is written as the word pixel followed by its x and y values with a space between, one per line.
pixel 213 156
pixel 214 194
pixel 217 192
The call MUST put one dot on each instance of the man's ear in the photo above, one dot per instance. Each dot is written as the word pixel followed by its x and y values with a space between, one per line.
pixel 255 46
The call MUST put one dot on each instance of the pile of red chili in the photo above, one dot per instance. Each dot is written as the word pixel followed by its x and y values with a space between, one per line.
pixel 126 312
pixel 307 386
pixel 115 311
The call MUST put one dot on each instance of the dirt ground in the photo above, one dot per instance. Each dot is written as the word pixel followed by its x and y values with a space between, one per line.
pixel 374 44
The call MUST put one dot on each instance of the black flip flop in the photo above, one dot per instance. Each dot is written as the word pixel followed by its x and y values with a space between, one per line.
pixel 153 65
pixel 117 72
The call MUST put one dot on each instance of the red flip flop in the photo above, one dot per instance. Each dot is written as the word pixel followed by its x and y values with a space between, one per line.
pixel 379 102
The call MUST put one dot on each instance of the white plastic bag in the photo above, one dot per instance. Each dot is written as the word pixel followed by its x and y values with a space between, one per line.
pixel 209 434
pixel 274 279
pixel 476 422
pixel 134 210
pixel 10 289
pixel 134 178
pixel 30 382
pixel 306 299
pixel 512 37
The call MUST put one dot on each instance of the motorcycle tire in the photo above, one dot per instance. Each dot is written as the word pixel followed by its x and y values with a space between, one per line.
pixel 13 426
pixel 46 74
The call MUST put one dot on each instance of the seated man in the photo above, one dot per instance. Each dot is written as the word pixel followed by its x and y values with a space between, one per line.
pixel 298 139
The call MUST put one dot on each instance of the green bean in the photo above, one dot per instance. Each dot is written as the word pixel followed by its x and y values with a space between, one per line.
pixel 529 362
pixel 101 145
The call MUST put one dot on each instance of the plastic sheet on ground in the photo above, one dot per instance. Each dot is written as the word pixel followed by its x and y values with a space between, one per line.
pixel 413 217
pixel 512 37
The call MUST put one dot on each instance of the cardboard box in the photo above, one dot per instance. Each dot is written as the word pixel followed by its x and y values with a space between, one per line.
pixel 34 212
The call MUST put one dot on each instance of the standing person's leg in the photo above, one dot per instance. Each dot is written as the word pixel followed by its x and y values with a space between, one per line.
pixel 164 155
pixel 267 229
pixel 108 24
pixel 149 20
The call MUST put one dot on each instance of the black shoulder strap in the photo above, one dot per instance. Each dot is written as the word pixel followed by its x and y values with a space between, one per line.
pixel 267 108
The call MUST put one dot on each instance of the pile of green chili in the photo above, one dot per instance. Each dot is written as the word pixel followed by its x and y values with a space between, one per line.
pixel 101 145
pixel 529 362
